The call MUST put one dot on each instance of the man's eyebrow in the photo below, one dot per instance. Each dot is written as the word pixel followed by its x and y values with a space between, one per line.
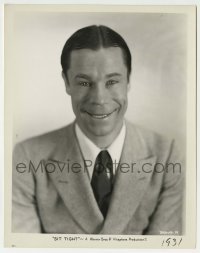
pixel 83 76
pixel 113 74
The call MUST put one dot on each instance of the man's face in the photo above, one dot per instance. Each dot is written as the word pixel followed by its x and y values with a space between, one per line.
pixel 97 83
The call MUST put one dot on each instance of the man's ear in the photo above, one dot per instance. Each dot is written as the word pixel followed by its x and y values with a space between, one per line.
pixel 129 83
pixel 128 86
pixel 67 85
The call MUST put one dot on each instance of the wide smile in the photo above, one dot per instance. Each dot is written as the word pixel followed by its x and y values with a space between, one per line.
pixel 101 116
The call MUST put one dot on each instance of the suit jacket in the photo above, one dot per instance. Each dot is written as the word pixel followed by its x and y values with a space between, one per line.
pixel 52 192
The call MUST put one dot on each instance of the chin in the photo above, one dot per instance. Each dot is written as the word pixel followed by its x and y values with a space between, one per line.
pixel 103 131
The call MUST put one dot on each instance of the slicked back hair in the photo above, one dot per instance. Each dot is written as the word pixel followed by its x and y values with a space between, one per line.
pixel 94 37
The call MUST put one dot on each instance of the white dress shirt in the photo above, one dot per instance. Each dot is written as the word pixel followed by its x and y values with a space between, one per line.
pixel 90 151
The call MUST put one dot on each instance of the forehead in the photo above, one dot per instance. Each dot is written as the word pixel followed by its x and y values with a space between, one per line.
pixel 110 59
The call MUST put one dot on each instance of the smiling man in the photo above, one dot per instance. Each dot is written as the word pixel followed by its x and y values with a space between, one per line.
pixel 100 174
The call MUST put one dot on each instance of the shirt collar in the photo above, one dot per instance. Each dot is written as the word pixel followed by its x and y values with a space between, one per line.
pixel 90 150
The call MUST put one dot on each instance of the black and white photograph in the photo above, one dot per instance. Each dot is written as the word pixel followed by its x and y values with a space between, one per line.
pixel 98 103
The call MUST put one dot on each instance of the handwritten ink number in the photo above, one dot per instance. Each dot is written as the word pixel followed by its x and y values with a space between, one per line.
pixel 171 242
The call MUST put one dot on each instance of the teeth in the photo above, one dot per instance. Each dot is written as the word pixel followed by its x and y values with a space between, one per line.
pixel 99 116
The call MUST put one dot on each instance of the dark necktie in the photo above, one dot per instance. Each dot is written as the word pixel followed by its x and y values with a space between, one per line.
pixel 102 184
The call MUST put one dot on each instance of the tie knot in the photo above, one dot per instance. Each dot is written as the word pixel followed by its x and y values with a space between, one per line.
pixel 104 159
pixel 103 164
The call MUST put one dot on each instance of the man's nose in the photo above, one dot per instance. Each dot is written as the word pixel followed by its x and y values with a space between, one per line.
pixel 99 94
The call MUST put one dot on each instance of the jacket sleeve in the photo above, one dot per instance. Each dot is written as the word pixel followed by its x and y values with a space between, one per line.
pixel 168 215
pixel 25 218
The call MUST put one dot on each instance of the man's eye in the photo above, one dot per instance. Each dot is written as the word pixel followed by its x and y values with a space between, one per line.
pixel 85 84
pixel 111 82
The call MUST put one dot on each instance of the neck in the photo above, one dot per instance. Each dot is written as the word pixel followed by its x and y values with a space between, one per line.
pixel 104 142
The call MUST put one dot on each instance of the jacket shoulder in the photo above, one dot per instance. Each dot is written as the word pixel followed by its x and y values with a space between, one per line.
pixel 148 135
pixel 154 142
pixel 45 143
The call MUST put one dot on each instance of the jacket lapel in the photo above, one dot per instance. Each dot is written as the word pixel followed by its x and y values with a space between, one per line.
pixel 72 182
pixel 130 183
